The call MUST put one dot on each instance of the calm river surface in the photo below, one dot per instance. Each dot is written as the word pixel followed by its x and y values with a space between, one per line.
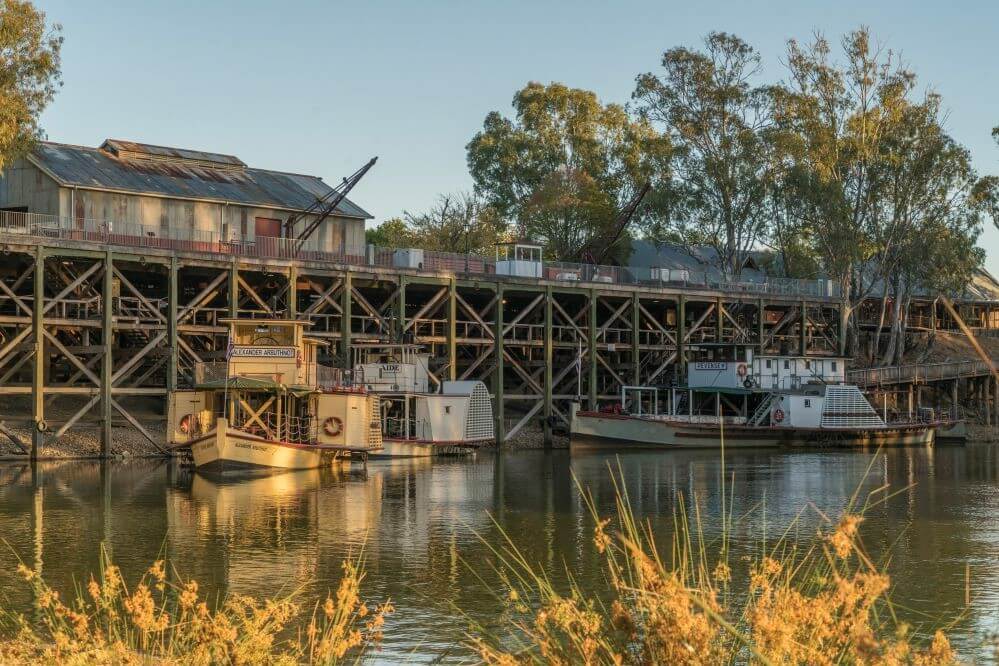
pixel 426 526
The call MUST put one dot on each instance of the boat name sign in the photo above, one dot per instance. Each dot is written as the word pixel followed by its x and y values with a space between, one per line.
pixel 711 365
pixel 264 352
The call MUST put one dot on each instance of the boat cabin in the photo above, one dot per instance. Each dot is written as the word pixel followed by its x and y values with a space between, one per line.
pixel 765 372
pixel 391 368
pixel 275 350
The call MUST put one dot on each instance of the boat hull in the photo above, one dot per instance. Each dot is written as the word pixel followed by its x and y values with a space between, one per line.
pixel 952 432
pixel 411 448
pixel 592 430
pixel 227 450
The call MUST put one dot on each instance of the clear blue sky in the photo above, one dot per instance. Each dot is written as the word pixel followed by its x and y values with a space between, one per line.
pixel 319 87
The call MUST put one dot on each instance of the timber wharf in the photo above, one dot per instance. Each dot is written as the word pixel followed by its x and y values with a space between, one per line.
pixel 107 314
pixel 121 262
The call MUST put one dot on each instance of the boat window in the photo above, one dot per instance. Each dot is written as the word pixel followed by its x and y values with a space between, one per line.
pixel 447 409
pixel 808 365
pixel 808 403
pixel 768 364
pixel 787 364
pixel 834 366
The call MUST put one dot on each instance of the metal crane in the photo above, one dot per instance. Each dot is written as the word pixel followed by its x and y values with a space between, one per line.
pixel 323 207
pixel 594 251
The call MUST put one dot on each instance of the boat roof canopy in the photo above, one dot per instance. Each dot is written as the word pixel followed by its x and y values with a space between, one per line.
pixel 253 384
pixel 261 321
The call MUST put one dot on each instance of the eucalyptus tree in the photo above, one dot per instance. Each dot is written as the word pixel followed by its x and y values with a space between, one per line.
pixel 887 197
pixel 29 75
pixel 565 164
pixel 707 105
pixel 829 120
pixel 460 223
pixel 928 216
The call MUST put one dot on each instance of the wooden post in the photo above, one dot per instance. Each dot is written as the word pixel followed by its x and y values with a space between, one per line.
pixel 760 315
pixel 548 366
pixel 987 399
pixel 720 321
pixel 293 291
pixel 346 316
pixel 995 401
pixel 953 393
pixel 172 305
pixel 636 320
pixel 803 342
pixel 107 361
pixel 38 374
pixel 681 334
pixel 452 330
pixel 233 290
pixel 498 372
pixel 400 319
pixel 591 345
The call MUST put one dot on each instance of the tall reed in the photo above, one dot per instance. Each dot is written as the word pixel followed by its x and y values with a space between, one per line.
pixel 819 602
pixel 164 622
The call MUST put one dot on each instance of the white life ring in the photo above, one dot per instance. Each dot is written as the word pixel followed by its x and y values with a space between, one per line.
pixel 333 426
pixel 778 415
pixel 742 370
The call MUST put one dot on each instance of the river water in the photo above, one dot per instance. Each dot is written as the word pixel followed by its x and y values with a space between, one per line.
pixel 427 527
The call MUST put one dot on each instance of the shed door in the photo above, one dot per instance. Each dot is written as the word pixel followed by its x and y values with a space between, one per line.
pixel 267 226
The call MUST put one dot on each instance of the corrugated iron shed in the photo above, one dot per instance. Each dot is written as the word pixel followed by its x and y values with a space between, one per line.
pixel 119 166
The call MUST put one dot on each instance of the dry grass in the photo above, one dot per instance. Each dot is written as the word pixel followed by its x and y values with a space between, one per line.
pixel 823 602
pixel 160 622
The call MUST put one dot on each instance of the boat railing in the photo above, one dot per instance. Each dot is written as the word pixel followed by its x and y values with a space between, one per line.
pixel 329 378
pixel 294 429
pixel 210 372
pixel 396 427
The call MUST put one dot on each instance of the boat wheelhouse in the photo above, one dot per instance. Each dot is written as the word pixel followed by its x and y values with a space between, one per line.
pixel 270 404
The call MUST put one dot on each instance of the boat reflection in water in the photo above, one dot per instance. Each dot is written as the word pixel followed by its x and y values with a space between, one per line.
pixel 290 530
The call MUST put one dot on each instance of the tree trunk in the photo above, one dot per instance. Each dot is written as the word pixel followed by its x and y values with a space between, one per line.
pixel 900 345
pixel 896 325
pixel 876 341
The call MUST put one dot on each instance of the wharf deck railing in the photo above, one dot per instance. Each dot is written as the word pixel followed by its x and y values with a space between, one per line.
pixel 917 373
pixel 39 227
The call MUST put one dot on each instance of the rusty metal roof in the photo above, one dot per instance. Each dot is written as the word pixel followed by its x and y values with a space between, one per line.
pixel 123 166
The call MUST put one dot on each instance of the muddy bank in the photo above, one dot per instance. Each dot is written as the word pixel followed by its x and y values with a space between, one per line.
pixel 84 438
pixel 532 436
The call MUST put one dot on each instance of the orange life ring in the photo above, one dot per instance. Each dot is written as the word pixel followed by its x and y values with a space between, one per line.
pixel 333 426
pixel 188 423
pixel 778 415
pixel 742 370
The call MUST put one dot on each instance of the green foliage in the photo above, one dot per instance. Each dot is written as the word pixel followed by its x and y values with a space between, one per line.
pixel 458 223
pixel 707 107
pixel 393 232
pixel 29 75
pixel 565 165
pixel 455 223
